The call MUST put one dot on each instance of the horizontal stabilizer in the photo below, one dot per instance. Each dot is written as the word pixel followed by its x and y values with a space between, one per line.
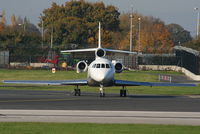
pixel 95 49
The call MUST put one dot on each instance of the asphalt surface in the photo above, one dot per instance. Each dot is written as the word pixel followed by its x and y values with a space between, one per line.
pixel 60 106
pixel 60 100
pixel 88 116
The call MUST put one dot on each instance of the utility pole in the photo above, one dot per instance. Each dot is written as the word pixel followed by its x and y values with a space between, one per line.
pixel 139 29
pixel 51 37
pixel 131 29
pixel 24 24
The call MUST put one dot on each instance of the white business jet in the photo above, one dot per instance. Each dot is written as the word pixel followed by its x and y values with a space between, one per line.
pixel 100 73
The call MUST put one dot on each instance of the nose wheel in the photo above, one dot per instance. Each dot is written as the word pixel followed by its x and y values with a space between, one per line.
pixel 101 89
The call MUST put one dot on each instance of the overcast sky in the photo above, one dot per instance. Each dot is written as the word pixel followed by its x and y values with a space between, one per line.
pixel 170 11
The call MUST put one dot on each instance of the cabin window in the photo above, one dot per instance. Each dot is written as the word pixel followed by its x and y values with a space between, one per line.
pixel 102 65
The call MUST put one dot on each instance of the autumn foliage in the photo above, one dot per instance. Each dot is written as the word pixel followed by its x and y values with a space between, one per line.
pixel 76 22
pixel 152 37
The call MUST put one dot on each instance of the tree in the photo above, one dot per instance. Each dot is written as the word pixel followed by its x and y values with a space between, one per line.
pixel 194 44
pixel 178 34
pixel 77 22
pixel 2 21
pixel 13 21
pixel 153 37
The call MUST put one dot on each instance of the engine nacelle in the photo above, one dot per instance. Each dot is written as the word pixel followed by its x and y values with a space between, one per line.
pixel 100 52
pixel 81 67
pixel 118 67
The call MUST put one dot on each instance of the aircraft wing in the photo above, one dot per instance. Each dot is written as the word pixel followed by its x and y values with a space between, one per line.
pixel 52 82
pixel 136 83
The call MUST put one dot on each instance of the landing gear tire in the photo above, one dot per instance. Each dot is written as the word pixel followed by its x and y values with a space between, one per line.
pixel 77 92
pixel 102 94
pixel 123 93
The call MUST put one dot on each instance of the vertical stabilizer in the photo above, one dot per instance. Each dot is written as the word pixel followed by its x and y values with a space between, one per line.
pixel 99 41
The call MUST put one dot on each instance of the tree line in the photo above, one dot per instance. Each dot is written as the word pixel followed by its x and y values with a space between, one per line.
pixel 74 24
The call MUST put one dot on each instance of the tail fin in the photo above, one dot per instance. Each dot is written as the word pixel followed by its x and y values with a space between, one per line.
pixel 99 41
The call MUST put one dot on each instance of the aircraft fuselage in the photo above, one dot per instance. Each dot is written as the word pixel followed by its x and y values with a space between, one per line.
pixel 101 73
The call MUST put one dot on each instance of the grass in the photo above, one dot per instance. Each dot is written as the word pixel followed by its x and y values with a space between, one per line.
pixel 84 128
pixel 6 74
pixel 87 128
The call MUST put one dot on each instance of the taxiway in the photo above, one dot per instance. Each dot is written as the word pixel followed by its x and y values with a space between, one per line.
pixel 61 106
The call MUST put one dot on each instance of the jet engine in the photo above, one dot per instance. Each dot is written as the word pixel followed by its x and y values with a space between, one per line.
pixel 100 52
pixel 81 66
pixel 118 67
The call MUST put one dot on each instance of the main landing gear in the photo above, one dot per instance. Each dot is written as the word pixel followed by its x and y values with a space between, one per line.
pixel 123 92
pixel 77 91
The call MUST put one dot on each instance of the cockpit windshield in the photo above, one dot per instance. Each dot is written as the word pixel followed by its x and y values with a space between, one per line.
pixel 101 65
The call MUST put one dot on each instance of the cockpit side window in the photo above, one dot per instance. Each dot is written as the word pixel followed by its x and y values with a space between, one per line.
pixel 93 66
pixel 107 66
pixel 102 65
pixel 98 66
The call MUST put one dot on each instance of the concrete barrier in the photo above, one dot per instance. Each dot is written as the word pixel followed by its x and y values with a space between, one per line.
pixel 18 64
pixel 171 68
pixel 41 65
pixel 34 65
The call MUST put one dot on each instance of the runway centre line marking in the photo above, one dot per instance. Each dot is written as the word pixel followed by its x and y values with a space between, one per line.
pixel 38 100
pixel 116 116
pixel 69 99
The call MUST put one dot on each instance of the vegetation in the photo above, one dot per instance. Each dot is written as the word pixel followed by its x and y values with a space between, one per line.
pixel 154 35
pixel 194 44
pixel 150 76
pixel 178 34
pixel 83 128
pixel 21 38
pixel 74 24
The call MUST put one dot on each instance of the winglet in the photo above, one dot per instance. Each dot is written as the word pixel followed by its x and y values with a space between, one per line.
pixel 99 41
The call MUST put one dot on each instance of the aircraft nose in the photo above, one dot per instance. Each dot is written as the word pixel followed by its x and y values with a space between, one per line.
pixel 100 77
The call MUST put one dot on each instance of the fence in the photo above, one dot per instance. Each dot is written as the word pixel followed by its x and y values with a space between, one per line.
pixel 165 59
pixel 184 57
pixel 4 58
pixel 26 58
pixel 190 59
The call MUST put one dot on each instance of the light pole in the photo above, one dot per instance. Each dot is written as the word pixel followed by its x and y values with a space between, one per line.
pixel 42 33
pixel 23 27
pixel 197 9
pixel 139 28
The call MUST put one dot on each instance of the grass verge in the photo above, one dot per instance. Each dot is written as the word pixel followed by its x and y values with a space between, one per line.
pixel 150 76
pixel 83 128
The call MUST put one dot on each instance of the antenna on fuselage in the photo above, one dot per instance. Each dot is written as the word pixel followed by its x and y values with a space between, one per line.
pixel 99 41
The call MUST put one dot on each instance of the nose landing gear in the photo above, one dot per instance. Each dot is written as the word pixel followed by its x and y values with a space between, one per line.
pixel 102 94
